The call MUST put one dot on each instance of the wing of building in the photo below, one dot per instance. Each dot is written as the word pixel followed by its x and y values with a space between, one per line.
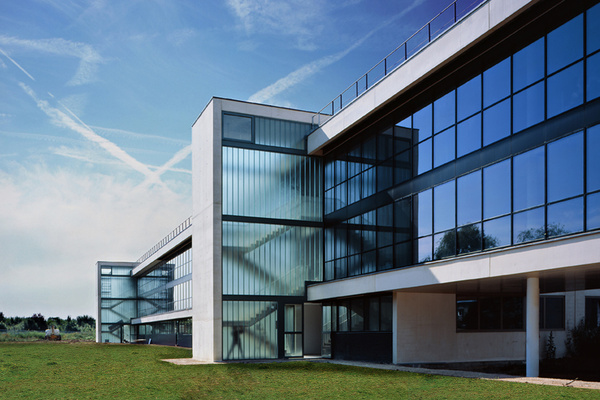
pixel 444 208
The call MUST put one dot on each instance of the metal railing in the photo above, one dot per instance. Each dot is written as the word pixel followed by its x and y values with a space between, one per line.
pixel 176 232
pixel 431 30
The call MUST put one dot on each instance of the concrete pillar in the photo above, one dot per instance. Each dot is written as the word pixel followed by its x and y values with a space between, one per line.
pixel 395 300
pixel 532 326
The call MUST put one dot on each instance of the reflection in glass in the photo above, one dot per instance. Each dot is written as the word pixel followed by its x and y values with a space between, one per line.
pixel 528 107
pixel 422 123
pixel 424 249
pixel 593 29
pixel 528 65
pixel 565 217
pixel 496 122
pixel 496 189
pixel 469 239
pixel 445 245
pixel 369 262
pixel 444 110
pixel 593 160
pixel 565 44
pixel 467 314
pixel 565 167
pixel 422 156
pixel 402 220
pixel 443 207
pixel 496 83
pixel 529 225
pixel 237 127
pixel 593 211
pixel 341 268
pixel 512 313
pixel 496 232
pixel 402 138
pixel 357 316
pixel 424 207
pixel 403 254
pixel 468 135
pixel 385 258
pixel 490 311
pixel 373 304
pixel 443 147
pixel 528 179
pixel 565 90
pixel 593 77
pixel 468 207
pixel 469 98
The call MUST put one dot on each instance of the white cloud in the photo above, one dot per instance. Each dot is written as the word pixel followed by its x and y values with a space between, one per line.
pixel 55 224
pixel 138 136
pixel 180 36
pixel 88 57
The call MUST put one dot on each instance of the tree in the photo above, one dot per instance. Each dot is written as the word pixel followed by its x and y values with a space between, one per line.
pixel 540 233
pixel 469 240
pixel 1 316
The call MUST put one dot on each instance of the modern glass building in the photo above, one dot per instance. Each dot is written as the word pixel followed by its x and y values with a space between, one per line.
pixel 448 211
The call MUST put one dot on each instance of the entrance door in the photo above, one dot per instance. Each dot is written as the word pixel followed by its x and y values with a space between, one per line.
pixel 293 338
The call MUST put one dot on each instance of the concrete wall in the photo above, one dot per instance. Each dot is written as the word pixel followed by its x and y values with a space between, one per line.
pixel 425 332
pixel 313 323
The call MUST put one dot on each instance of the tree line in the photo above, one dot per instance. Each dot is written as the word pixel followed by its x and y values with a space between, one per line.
pixel 37 322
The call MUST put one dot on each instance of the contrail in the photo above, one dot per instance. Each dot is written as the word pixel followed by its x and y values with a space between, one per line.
pixel 17 64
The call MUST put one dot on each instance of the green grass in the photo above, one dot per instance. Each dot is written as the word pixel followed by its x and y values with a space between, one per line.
pixel 83 370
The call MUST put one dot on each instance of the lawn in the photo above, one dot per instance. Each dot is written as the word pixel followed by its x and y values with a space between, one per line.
pixel 84 370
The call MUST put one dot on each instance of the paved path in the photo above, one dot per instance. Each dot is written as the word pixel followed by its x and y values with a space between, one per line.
pixel 443 372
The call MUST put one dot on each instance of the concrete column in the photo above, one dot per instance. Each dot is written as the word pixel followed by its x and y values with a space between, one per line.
pixel 395 300
pixel 532 326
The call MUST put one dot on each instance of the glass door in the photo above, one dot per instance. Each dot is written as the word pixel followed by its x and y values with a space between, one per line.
pixel 293 337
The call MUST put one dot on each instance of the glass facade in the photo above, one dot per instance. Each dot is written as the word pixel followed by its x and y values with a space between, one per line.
pixel 394 196
pixel 272 234
pixel 117 303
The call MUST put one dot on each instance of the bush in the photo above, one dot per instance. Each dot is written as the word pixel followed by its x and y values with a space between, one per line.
pixel 584 341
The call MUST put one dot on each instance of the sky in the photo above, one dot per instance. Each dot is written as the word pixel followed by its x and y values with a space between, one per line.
pixel 97 100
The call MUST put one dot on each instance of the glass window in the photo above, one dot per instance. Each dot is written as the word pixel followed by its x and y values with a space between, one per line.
pixel 368 183
pixel 552 312
pixel 385 144
pixel 528 107
pixel 373 313
pixel 496 83
pixel 565 90
pixel 528 65
pixel 565 217
pixel 593 28
pixel 341 268
pixel 444 110
pixel 422 123
pixel 565 44
pixel 386 313
pixel 496 189
pixel 512 313
pixel 422 156
pixel 341 172
pixel 443 147
pixel 528 179
pixel 403 254
pixel 443 207
pixel 237 127
pixel 424 206
pixel 402 136
pixel 445 245
pixel 565 167
pixel 385 258
pixel 490 309
pixel 469 98
pixel 496 232
pixel 593 211
pixel 593 160
pixel 402 220
pixel 467 314
pixel 385 175
pixel 354 267
pixel 496 122
pixel 593 77
pixel 468 238
pixel 369 262
pixel 468 135
pixel 468 207
pixel 402 170
pixel 424 249
pixel 357 315
pixel 529 225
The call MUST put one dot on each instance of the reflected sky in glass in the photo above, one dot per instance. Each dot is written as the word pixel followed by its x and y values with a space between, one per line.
pixel 424 212
pixel 565 44
pixel 593 29
pixel 443 207
pixel 496 122
pixel 469 98
pixel 593 211
pixel 565 167
pixel 496 232
pixel 423 123
pixel 496 83
pixel 468 208
pixel 423 156
pixel 593 77
pixel 496 189
pixel 468 135
pixel 529 225
pixel 565 90
pixel 528 65
pixel 443 147
pixel 528 179
pixel 593 158
pixel 528 107
pixel 565 217
pixel 444 112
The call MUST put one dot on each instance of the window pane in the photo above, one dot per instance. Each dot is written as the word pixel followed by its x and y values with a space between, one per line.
pixel 468 238
pixel 565 167
pixel 424 207
pixel 422 123
pixel 444 112
pixel 554 312
pixel 402 136
pixel 528 65
pixel 468 136
pixel 528 179
pixel 422 157
pixel 369 262
pixel 593 211
pixel 512 313
pixel 496 189
pixel 468 208
pixel 443 207
pixel 373 313
pixel 593 29
pixel 496 233
pixel 496 83
pixel 565 44
pixel 565 217
pixel 469 98
pixel 593 77
pixel 528 107
pixel 565 90
pixel 467 314
pixel 443 147
pixel 445 245
pixel 386 313
pixel 424 249
pixel 403 254
pixel 529 225
pixel 593 160
pixel 237 127
pixel 402 220
pixel 357 315
pixel 490 312
pixel 385 258
pixel 496 122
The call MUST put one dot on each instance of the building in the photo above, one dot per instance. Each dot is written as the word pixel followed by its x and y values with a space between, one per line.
pixel 447 212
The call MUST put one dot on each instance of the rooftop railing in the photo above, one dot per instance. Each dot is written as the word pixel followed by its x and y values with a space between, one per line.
pixel 431 30
pixel 176 232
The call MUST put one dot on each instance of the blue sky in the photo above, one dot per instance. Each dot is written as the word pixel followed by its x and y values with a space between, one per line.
pixel 97 99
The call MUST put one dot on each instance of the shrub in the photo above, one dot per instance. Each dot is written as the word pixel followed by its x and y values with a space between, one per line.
pixel 584 341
